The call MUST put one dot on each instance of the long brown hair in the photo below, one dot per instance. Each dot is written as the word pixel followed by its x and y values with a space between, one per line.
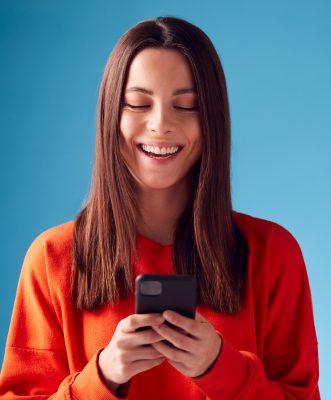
pixel 207 242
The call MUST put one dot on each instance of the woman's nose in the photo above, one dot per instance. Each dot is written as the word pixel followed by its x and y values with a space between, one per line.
pixel 160 120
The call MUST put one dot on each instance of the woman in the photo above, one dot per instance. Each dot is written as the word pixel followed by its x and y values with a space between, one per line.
pixel 160 202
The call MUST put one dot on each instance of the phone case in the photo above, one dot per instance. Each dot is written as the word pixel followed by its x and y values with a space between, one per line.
pixel 156 293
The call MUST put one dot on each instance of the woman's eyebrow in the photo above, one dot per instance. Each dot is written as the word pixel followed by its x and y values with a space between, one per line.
pixel 174 93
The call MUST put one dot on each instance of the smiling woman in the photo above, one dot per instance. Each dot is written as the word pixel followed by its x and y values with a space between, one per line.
pixel 160 203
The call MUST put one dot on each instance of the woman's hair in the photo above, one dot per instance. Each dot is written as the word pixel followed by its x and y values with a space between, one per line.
pixel 207 242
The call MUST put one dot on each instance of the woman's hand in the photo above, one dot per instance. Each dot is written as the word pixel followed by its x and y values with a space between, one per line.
pixel 197 345
pixel 130 352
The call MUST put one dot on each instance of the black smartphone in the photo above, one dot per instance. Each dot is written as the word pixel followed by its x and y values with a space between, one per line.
pixel 156 293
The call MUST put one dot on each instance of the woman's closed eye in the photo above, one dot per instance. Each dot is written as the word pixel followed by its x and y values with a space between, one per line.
pixel 146 106
pixel 132 106
pixel 187 108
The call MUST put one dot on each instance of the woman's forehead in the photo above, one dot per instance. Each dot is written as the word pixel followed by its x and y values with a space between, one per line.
pixel 156 67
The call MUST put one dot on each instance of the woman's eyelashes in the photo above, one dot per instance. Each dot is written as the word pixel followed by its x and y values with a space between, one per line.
pixel 131 106
pixel 146 106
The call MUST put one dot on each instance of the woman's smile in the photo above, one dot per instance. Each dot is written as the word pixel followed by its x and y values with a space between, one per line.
pixel 160 156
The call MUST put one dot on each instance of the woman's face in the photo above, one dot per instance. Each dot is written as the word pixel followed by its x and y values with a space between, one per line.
pixel 160 130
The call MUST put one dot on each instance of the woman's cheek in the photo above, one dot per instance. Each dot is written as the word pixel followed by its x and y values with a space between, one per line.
pixel 129 125
pixel 194 129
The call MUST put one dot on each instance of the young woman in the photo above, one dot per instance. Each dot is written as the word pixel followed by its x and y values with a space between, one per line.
pixel 160 202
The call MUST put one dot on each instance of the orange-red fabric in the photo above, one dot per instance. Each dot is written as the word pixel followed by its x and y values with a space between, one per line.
pixel 269 348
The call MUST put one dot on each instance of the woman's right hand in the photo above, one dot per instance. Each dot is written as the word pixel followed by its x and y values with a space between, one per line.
pixel 130 352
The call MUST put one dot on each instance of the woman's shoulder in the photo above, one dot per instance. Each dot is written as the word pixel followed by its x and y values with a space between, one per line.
pixel 273 248
pixel 260 232
pixel 59 236
pixel 257 225
pixel 50 250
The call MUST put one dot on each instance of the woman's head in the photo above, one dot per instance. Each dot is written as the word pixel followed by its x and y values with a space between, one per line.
pixel 184 56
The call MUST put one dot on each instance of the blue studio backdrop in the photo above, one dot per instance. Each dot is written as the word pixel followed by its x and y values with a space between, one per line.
pixel 277 61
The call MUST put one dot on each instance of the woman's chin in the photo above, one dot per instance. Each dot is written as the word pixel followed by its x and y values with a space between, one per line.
pixel 156 184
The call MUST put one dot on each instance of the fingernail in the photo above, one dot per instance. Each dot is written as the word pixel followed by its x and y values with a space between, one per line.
pixel 167 314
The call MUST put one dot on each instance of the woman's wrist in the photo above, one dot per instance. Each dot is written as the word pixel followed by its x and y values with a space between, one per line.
pixel 112 386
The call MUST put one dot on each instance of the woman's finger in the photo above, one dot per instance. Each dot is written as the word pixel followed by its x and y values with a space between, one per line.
pixel 190 325
pixel 143 353
pixel 173 354
pixel 134 339
pixel 199 317
pixel 135 321
pixel 177 339
pixel 144 365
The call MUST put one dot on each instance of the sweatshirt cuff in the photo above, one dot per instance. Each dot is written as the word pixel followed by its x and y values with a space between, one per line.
pixel 227 375
pixel 89 384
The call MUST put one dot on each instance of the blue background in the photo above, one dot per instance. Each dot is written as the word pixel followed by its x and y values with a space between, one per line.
pixel 277 61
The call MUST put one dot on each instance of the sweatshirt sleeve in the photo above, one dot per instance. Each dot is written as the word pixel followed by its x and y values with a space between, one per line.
pixel 35 364
pixel 289 367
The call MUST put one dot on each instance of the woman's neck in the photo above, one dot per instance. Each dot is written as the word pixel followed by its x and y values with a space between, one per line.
pixel 160 210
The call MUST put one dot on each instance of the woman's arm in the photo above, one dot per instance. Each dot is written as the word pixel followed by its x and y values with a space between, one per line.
pixel 289 368
pixel 35 364
pixel 242 375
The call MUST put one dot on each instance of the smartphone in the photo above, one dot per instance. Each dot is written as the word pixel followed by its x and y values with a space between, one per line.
pixel 156 293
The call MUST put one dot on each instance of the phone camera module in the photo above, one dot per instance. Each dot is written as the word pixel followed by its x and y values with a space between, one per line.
pixel 151 288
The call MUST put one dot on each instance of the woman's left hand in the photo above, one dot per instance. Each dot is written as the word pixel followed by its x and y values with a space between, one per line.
pixel 196 343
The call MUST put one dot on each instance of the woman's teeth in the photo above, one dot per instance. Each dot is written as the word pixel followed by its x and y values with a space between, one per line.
pixel 159 150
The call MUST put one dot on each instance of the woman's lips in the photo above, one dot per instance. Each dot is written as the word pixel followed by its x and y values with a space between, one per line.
pixel 159 157
pixel 161 144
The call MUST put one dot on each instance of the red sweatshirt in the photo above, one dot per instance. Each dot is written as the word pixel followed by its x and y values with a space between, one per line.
pixel 269 348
